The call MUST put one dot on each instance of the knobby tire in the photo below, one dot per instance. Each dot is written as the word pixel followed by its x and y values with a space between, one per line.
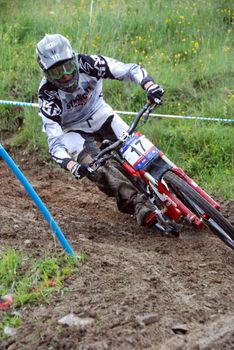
pixel 217 223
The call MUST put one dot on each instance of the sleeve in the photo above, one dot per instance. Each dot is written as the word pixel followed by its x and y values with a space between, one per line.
pixel 49 103
pixel 50 109
pixel 56 146
pixel 106 67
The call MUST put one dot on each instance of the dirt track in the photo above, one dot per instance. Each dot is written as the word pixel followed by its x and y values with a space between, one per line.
pixel 142 290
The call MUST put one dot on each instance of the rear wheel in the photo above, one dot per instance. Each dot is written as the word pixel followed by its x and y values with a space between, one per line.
pixel 214 220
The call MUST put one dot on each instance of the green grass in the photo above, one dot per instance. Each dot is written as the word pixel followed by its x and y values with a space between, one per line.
pixel 31 279
pixel 186 45
pixel 202 149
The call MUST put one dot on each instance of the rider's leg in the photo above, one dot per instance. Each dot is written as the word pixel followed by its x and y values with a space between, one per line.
pixel 82 146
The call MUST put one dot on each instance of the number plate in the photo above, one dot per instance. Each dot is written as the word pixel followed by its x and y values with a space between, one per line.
pixel 138 151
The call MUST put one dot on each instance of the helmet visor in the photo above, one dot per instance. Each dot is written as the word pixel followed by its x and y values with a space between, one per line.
pixel 57 72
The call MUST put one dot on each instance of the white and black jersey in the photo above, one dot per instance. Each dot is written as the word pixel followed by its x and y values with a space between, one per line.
pixel 64 111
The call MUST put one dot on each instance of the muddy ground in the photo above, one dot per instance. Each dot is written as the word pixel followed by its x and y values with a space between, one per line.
pixel 141 290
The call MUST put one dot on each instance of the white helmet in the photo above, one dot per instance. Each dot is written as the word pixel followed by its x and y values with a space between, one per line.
pixel 57 58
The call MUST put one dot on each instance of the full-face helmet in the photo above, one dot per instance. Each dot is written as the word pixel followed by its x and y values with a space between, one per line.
pixel 58 61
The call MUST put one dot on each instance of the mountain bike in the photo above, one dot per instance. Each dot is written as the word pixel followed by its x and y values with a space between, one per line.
pixel 175 196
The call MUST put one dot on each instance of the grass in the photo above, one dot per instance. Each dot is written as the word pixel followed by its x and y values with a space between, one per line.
pixel 208 153
pixel 185 45
pixel 31 279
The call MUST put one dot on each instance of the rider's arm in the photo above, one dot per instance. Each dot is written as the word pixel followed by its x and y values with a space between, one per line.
pixel 102 67
pixel 136 73
pixel 58 151
pixel 56 146
pixel 50 110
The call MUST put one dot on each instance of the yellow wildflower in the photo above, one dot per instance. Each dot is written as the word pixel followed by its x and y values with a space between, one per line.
pixel 138 37
pixel 226 49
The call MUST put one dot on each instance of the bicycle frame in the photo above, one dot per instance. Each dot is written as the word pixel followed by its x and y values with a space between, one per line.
pixel 151 173
pixel 175 208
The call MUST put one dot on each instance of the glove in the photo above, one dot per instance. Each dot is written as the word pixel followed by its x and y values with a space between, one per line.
pixel 81 170
pixel 155 94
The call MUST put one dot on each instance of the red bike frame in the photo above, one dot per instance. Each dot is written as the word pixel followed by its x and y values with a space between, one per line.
pixel 174 206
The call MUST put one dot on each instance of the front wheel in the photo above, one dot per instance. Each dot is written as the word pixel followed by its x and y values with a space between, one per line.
pixel 213 218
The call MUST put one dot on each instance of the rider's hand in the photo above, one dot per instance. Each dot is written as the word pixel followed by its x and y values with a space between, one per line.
pixel 81 170
pixel 155 94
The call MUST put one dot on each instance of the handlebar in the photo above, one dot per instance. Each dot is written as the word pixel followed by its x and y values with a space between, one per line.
pixel 146 110
pixel 108 149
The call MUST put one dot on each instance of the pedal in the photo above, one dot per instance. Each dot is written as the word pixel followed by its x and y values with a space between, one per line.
pixel 169 230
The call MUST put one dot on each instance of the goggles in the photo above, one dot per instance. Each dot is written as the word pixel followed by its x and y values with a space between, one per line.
pixel 57 72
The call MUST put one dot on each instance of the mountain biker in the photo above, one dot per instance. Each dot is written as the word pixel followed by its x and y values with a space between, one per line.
pixel 75 116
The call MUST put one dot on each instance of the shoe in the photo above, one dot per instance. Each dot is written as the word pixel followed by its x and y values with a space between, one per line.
pixel 150 219
pixel 145 216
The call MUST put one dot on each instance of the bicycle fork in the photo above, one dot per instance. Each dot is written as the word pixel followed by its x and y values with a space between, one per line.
pixel 174 208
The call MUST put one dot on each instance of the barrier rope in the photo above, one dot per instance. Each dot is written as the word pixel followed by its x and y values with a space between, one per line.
pixel 223 120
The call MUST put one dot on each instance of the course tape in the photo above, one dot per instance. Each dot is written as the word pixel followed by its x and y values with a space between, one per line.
pixel 181 117
pixel 17 103
pixel 29 104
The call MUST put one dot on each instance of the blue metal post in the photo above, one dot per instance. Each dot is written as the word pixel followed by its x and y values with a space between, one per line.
pixel 32 193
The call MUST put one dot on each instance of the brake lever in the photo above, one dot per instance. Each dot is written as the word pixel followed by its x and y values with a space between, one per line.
pixel 99 162
pixel 149 109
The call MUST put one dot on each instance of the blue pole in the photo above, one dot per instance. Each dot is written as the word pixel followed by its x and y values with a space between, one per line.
pixel 32 193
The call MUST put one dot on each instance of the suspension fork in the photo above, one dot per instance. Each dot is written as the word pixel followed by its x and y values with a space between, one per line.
pixel 175 207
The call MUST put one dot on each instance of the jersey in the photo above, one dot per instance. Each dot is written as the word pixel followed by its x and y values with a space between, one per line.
pixel 65 111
